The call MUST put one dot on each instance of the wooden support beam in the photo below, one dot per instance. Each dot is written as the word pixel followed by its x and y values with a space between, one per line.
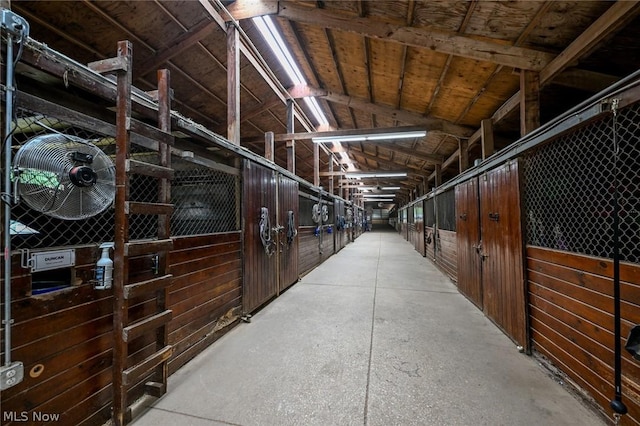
pixel 438 40
pixel 291 144
pixel 269 152
pixel 177 46
pixel 463 159
pixel 316 164
pixel 331 174
pixel 438 175
pixel 430 124
pixel 487 139
pixel 246 9
pixel 529 101
pixel 233 85
pixel 616 17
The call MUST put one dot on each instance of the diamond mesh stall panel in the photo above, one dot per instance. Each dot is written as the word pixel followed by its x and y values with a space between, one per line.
pixel 206 200
pixel 570 185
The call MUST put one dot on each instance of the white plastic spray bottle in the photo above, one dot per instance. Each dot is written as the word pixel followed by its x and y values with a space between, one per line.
pixel 104 268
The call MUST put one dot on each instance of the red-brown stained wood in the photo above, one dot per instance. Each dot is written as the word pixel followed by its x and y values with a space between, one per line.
pixel 260 270
pixel 309 255
pixel 503 285
pixel 571 308
pixel 446 253
pixel 468 238
pixel 288 201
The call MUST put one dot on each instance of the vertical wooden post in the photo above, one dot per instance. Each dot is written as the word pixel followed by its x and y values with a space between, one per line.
pixel 487 139
pixel 269 146
pixel 291 145
pixel 463 159
pixel 233 84
pixel 316 164
pixel 330 173
pixel 164 222
pixel 529 101
pixel 121 267
pixel 438 172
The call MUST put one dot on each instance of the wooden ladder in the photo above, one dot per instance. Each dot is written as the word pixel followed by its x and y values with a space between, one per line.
pixel 154 368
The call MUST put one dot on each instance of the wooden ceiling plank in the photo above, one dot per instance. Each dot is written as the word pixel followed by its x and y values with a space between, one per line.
pixel 432 124
pixel 440 41
pixel 620 13
pixel 617 16
pixel 186 40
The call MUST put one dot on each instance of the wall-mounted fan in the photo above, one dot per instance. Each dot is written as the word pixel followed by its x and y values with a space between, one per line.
pixel 318 213
pixel 64 176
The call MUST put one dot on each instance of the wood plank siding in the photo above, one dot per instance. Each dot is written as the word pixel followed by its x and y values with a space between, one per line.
pixel 446 253
pixel 468 241
pixel 309 251
pixel 206 293
pixel 260 268
pixel 571 305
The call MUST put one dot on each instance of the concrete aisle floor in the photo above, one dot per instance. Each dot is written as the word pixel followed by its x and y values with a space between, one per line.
pixel 374 336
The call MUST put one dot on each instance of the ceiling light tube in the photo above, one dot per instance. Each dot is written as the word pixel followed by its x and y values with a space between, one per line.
pixel 370 137
pixel 376 175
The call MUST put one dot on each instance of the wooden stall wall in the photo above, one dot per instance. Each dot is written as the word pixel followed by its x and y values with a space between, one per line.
pixel 328 229
pixel 66 336
pixel 260 268
pixel 446 253
pixel 206 293
pixel 308 239
pixel 468 241
pixel 288 243
pixel 571 305
pixel 503 285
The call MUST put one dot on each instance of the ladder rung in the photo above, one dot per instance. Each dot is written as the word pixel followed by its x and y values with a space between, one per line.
pixel 134 207
pixel 108 65
pixel 149 131
pixel 132 374
pixel 140 248
pixel 146 287
pixel 141 327
pixel 148 169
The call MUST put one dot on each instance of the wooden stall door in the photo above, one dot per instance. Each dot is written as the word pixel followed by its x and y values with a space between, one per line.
pixel 260 268
pixel 288 201
pixel 468 238
pixel 502 252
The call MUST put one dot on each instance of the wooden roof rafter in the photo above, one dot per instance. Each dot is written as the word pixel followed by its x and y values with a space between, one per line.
pixel 437 40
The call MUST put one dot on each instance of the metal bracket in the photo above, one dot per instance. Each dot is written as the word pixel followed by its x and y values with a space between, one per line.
pixel 15 24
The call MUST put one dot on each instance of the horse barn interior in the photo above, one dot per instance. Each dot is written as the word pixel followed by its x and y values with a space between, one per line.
pixel 171 168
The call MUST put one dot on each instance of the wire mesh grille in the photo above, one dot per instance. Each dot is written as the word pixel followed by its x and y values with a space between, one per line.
pixel 571 186
pixel 446 210
pixel 429 212
pixel 206 200
pixel 33 229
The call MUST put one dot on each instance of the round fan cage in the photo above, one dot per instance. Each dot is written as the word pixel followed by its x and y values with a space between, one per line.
pixel 64 176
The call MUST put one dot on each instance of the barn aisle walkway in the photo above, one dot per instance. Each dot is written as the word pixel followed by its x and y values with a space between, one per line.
pixel 374 336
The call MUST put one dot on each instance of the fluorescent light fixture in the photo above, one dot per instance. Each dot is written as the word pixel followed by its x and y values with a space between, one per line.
pixel 380 188
pixel 368 195
pixel 279 48
pixel 378 200
pixel 370 137
pixel 376 175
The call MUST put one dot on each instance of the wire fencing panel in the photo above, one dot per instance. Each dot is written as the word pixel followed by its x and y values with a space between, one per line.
pixel 446 210
pixel 571 185
pixel 33 228
pixel 205 200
